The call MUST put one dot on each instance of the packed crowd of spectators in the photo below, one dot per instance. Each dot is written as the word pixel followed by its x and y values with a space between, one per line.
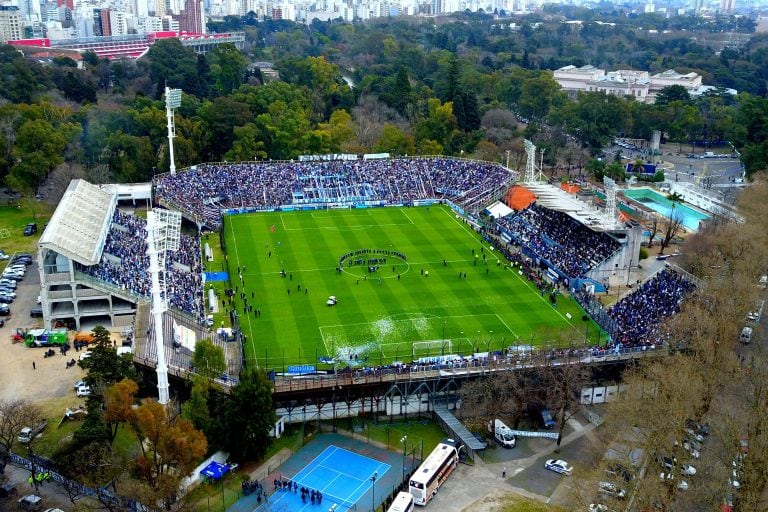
pixel 205 189
pixel 125 263
pixel 639 313
pixel 571 247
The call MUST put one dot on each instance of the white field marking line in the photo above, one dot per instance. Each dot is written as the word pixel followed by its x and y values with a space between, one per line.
pixel 339 228
pixel 250 326
pixel 363 482
pixel 538 294
pixel 452 214
pixel 325 343
pixel 282 221
pixel 505 325
pixel 330 449
pixel 407 319
pixel 518 275
pixel 329 268
pixel 407 216
pixel 325 215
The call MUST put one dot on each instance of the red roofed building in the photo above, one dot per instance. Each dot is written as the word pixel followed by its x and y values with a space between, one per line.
pixel 130 46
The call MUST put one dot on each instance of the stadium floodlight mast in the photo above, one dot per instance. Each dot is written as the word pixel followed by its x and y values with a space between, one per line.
pixel 162 236
pixel 531 176
pixel 172 101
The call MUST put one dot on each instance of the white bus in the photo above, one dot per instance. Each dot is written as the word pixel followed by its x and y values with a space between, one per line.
pixel 403 503
pixel 426 481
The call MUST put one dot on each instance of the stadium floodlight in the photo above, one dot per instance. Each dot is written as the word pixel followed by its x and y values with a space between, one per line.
pixel 530 164
pixel 172 101
pixel 163 228
pixel 172 98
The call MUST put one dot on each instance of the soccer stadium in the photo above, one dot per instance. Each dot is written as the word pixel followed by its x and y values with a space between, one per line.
pixel 350 261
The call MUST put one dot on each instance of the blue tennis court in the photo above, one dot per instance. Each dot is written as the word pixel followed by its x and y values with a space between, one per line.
pixel 342 477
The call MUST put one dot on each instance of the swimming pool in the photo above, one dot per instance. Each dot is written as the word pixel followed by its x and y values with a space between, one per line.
pixel 658 203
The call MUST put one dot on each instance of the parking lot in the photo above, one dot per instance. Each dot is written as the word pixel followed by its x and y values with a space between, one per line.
pixel 48 378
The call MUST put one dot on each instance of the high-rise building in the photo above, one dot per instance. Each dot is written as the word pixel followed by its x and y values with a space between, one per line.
pixel 192 17
pixel 102 25
pixel 11 26
pixel 727 5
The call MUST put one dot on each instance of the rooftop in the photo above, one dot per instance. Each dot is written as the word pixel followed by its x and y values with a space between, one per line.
pixel 79 226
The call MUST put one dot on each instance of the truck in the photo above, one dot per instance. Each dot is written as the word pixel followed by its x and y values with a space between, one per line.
pixel 502 433
pixel 27 434
pixel 46 338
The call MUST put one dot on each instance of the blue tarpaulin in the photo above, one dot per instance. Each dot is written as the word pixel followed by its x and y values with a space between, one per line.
pixel 214 470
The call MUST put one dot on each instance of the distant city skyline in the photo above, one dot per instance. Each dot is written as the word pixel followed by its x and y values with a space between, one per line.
pixel 67 19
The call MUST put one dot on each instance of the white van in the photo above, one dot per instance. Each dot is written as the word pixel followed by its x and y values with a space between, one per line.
pixel 502 433
pixel 746 335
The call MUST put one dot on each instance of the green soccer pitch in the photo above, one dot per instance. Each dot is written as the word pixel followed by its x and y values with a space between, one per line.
pixel 441 290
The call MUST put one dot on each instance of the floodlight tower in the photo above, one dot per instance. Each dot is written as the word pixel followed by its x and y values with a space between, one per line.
pixel 162 235
pixel 530 163
pixel 610 201
pixel 172 101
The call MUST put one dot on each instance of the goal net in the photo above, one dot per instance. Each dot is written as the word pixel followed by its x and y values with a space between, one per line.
pixel 430 348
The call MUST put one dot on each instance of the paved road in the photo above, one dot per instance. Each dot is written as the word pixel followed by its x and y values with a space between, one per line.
pixel 525 473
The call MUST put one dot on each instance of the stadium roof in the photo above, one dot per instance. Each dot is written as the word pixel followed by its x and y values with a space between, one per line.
pixel 79 226
pixel 555 198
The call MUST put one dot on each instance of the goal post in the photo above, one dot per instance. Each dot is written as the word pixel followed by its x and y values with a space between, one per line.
pixel 430 348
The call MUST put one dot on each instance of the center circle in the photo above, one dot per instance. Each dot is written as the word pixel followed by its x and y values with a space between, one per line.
pixel 374 264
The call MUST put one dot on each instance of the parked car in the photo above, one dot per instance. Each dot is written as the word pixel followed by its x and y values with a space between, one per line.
pixel 26 259
pixel 617 469
pixel 3 256
pixel 611 490
pixel 670 479
pixel 10 283
pixel 80 383
pixel 83 391
pixel 4 310
pixel 5 299
pixel 30 229
pixel 558 466
pixel 36 312
pixel 687 470
pixel 31 503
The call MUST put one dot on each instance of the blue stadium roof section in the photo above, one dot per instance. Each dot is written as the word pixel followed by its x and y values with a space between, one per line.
pixel 79 226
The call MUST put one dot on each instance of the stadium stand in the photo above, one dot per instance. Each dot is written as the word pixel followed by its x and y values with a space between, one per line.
pixel 638 314
pixel 201 192
pixel 571 247
pixel 124 263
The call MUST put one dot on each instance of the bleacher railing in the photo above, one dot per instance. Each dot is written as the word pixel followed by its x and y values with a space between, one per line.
pixel 287 383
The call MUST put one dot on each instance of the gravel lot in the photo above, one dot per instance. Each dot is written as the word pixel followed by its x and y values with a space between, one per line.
pixel 51 379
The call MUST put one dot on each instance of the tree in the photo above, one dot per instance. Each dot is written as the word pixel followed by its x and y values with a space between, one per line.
pixel 14 415
pixel 674 224
pixel 227 67
pixel 561 386
pixel 672 93
pixel 496 396
pixel 250 415
pixel 104 366
pixel 653 229
pixel 173 65
pixel 118 403
pixel 393 140
pixel 208 359
pixel 169 448
pixel 247 146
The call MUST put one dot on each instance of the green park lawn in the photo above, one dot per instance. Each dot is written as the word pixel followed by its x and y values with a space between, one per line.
pixel 380 314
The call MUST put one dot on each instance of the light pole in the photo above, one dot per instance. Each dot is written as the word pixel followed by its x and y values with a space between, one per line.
pixel 373 490
pixel 404 442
